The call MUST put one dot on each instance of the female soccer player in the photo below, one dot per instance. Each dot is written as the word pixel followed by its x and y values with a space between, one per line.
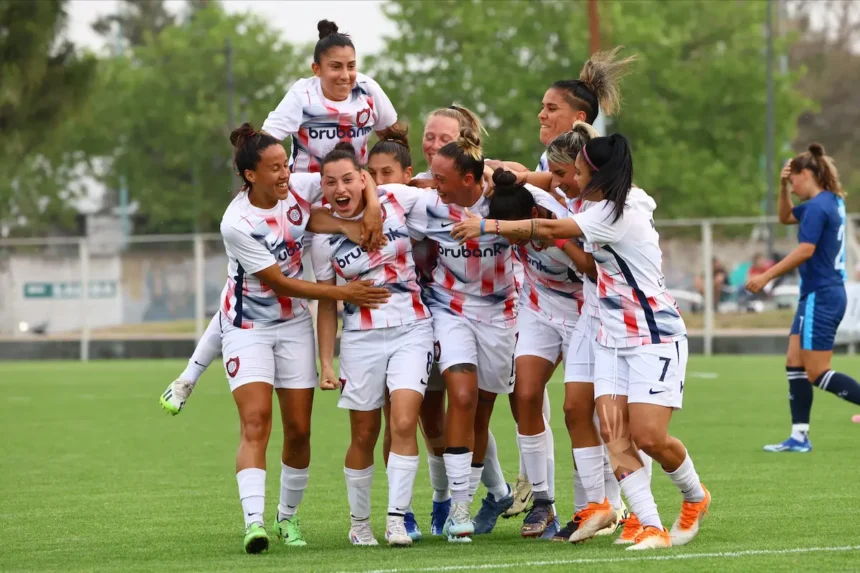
pixel 642 343
pixel 387 348
pixel 268 338
pixel 337 104
pixel 820 256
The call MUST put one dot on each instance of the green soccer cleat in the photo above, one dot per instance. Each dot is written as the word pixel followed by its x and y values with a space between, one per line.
pixel 256 539
pixel 288 531
pixel 173 399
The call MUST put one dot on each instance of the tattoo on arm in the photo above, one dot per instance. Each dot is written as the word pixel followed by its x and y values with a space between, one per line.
pixel 463 368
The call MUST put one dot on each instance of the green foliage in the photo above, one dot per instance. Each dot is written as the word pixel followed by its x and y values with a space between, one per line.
pixel 694 109
pixel 43 81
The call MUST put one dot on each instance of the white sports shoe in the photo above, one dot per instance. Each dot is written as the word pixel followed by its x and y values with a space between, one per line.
pixel 395 532
pixel 362 534
pixel 459 526
pixel 175 396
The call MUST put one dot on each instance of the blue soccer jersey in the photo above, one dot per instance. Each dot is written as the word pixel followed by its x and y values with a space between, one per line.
pixel 822 223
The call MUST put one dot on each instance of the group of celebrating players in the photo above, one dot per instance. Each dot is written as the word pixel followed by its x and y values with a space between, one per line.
pixel 474 279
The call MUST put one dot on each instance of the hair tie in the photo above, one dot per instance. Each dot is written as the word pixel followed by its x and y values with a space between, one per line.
pixel 453 107
pixel 587 160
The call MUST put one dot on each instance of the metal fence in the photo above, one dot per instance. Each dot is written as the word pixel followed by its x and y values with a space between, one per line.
pixel 165 288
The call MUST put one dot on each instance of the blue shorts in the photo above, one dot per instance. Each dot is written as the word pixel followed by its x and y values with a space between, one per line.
pixel 818 316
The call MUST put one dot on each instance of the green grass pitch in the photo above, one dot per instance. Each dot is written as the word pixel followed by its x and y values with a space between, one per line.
pixel 96 477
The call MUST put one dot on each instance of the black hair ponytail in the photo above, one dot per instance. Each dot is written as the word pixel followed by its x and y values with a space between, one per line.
pixel 611 165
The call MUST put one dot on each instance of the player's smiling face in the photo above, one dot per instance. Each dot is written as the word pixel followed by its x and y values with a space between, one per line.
pixel 564 177
pixel 438 132
pixel 342 187
pixel 384 168
pixel 337 71
pixel 271 179
pixel 582 173
pixel 556 116
pixel 450 185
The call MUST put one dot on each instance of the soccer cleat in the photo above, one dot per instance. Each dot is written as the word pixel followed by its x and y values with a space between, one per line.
pixel 622 514
pixel 565 532
pixel 630 529
pixel 459 526
pixel 687 525
pixel 412 527
pixel 790 445
pixel 522 497
pixel 592 519
pixel 289 533
pixel 485 519
pixel 173 399
pixel 362 534
pixel 540 516
pixel 551 530
pixel 256 539
pixel 439 516
pixel 651 538
pixel 395 532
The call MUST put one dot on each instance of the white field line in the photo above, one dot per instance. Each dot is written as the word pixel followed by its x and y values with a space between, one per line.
pixel 644 558
pixel 705 375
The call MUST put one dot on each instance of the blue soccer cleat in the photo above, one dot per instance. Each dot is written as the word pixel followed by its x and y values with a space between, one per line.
pixel 490 511
pixel 790 445
pixel 551 530
pixel 412 527
pixel 439 516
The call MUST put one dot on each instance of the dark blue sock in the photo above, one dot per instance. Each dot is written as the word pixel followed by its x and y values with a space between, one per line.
pixel 840 384
pixel 799 394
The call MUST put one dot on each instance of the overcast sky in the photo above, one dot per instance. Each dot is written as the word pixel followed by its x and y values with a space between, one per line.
pixel 297 19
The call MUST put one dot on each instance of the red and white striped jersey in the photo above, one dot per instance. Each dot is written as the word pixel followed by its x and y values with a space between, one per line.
pixel 474 280
pixel 635 307
pixel 256 239
pixel 391 267
pixel 552 286
pixel 590 305
pixel 317 124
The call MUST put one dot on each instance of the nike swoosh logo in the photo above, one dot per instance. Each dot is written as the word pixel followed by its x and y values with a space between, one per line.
pixel 446 225
pixel 423 383
pixel 198 364
pixel 525 499
pixel 651 391
pixel 459 483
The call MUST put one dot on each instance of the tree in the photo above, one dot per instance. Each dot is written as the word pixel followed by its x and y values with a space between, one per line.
pixel 44 80
pixel 138 20
pixel 693 109
pixel 167 134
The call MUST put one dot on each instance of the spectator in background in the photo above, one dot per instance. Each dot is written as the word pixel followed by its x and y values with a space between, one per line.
pixel 720 281
pixel 760 265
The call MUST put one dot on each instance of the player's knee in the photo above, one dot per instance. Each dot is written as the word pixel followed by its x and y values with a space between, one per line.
pixel 649 438
pixel 298 432
pixel 364 436
pixel 577 412
pixel 462 399
pixel 256 426
pixel 401 425
pixel 529 398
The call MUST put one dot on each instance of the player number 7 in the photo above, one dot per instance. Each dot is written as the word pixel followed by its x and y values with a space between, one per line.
pixel 666 362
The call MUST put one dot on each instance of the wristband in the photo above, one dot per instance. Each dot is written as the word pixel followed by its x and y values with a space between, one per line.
pixel 498 229
pixel 560 243
pixel 483 221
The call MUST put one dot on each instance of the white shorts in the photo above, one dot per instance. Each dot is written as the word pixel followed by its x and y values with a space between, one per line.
pixel 538 336
pixel 490 348
pixel 579 364
pixel 283 355
pixel 649 374
pixel 397 358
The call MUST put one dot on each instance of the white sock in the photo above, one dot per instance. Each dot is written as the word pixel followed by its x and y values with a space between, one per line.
pixel 459 469
pixel 252 494
pixel 492 476
pixel 637 489
pixel 647 462
pixel 686 479
pixel 610 483
pixel 579 499
pixel 358 484
pixel 475 479
pixel 401 479
pixel 207 350
pixel 550 458
pixel 438 478
pixel 589 463
pixel 800 432
pixel 533 451
pixel 294 482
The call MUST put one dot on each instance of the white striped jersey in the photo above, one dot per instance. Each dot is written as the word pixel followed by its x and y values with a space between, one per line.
pixel 552 286
pixel 391 267
pixel 317 124
pixel 590 305
pixel 543 164
pixel 635 307
pixel 474 280
pixel 256 239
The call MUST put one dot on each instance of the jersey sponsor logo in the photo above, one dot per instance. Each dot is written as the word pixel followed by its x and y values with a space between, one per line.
pixel 340 132
pixel 355 254
pixel 233 367
pixel 362 117
pixel 287 250
pixel 538 265
pixel 466 253
pixel 295 215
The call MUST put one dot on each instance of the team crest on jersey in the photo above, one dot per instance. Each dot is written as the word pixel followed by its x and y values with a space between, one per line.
pixel 295 215
pixel 342 383
pixel 233 366
pixel 384 212
pixel 437 350
pixel 362 117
